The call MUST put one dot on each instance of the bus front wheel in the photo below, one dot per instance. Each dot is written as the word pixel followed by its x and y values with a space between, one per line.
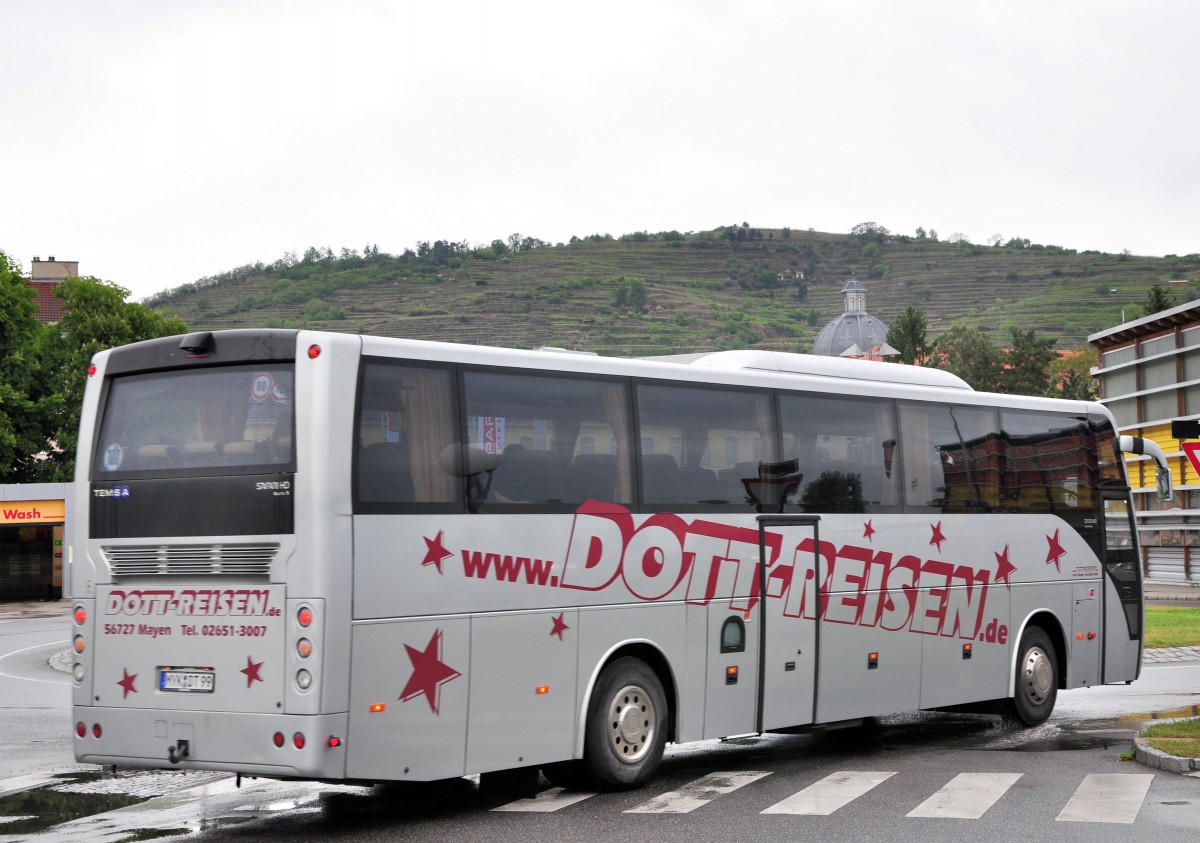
pixel 1036 685
pixel 626 725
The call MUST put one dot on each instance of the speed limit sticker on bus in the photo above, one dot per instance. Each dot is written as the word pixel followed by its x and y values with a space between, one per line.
pixel 263 386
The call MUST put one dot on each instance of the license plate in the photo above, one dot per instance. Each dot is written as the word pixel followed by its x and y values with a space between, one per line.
pixel 193 680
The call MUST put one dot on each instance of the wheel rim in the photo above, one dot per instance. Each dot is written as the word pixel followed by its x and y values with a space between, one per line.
pixel 632 723
pixel 1037 676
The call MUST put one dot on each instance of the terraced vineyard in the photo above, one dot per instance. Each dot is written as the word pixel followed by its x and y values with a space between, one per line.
pixel 730 288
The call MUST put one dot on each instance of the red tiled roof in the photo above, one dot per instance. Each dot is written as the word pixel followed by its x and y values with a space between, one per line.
pixel 49 306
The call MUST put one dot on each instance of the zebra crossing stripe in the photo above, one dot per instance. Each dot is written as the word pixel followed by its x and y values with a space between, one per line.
pixel 547 801
pixel 967 796
pixel 1107 798
pixel 697 794
pixel 830 793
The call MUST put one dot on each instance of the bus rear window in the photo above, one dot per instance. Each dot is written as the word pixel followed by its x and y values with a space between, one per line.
pixel 232 420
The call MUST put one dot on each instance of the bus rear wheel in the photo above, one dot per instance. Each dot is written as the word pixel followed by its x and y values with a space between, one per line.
pixel 1036 686
pixel 626 726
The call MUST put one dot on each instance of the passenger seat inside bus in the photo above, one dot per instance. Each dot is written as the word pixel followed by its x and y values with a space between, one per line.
pixel 660 479
pixel 591 477
pixel 527 476
pixel 384 475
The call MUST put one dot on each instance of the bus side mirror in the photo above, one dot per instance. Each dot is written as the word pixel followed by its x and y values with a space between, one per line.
pixel 1162 479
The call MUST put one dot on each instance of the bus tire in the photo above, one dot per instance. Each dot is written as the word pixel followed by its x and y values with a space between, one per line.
pixel 626 727
pixel 1036 686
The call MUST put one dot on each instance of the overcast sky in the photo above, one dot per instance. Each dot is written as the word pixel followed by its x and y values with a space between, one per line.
pixel 158 142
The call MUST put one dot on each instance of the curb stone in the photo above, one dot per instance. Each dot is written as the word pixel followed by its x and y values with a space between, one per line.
pixel 1159 760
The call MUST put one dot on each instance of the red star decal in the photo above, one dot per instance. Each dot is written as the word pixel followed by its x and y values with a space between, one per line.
pixel 251 670
pixel 938 536
pixel 868 531
pixel 1057 551
pixel 429 674
pixel 127 683
pixel 435 551
pixel 560 626
pixel 1004 567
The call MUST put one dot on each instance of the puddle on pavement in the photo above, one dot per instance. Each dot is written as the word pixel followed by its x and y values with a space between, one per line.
pixel 35 810
pixel 1052 738
pixel 1068 741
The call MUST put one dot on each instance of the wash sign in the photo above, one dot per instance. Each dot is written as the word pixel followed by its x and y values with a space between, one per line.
pixel 32 512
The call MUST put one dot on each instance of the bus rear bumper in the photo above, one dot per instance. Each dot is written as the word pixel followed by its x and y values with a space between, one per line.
pixel 313 747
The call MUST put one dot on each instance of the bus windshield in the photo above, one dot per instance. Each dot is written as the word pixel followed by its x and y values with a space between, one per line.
pixel 229 420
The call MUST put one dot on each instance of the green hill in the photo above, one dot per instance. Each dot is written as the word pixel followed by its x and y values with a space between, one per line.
pixel 642 294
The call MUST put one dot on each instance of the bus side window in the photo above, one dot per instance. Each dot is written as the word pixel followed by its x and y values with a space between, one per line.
pixel 1048 462
pixel 405 423
pixel 845 451
pixel 697 441
pixel 542 429
pixel 953 458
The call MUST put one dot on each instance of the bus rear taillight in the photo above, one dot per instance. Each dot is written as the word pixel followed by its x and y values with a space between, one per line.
pixel 314 351
pixel 304 617
pixel 81 729
pixel 96 730
pixel 298 740
pixel 279 739
pixel 80 616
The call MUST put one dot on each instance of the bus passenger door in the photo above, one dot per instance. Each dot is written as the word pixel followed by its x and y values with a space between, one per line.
pixel 788 626
pixel 1122 585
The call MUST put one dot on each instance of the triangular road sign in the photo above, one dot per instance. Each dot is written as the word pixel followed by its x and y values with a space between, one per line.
pixel 1190 448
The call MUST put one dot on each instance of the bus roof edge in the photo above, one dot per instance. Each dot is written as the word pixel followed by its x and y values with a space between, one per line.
pixel 819 366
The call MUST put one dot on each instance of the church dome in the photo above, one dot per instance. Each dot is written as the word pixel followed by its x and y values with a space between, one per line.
pixel 855 333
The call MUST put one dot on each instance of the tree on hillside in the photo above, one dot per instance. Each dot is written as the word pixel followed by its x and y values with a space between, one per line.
pixel 1026 363
pixel 1158 298
pixel 869 232
pixel 908 336
pixel 631 294
pixel 21 432
pixel 969 353
pixel 637 295
pixel 96 316
pixel 1070 376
